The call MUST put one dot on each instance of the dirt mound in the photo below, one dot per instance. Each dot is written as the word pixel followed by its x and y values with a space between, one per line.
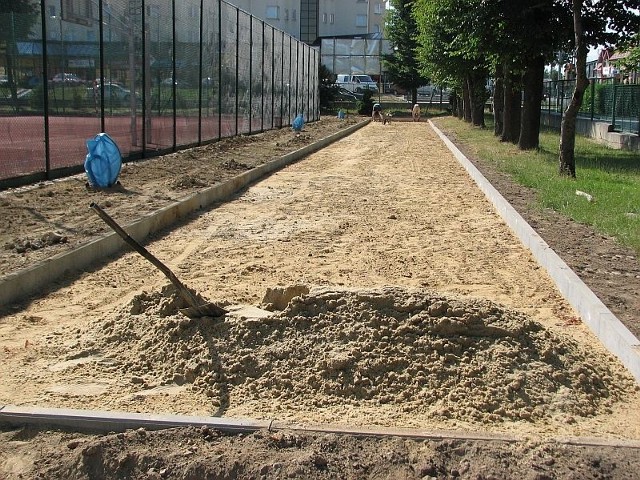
pixel 203 453
pixel 443 357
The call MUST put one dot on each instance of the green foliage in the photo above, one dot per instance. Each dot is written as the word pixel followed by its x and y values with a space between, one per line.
pixel 632 61
pixel 611 176
pixel 402 66
pixel 327 87
pixel 17 18
pixel 365 106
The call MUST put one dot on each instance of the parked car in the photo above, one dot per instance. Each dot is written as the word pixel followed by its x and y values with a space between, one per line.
pixel 427 90
pixel 70 78
pixel 357 83
pixel 113 93
pixel 4 79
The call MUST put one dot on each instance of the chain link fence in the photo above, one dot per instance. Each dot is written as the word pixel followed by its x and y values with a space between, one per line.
pixel 156 77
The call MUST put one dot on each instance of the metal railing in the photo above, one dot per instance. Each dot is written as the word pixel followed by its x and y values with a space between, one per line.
pixel 604 100
pixel 156 77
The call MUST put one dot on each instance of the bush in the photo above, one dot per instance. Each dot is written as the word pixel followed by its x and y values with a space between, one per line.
pixel 365 106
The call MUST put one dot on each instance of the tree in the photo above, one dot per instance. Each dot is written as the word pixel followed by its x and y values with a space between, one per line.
pixel 521 35
pixel 449 35
pixel 17 18
pixel 631 61
pixel 568 128
pixel 595 22
pixel 402 66
pixel 327 87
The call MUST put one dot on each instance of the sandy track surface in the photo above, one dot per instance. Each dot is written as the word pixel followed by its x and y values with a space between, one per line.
pixel 414 306
pixel 387 206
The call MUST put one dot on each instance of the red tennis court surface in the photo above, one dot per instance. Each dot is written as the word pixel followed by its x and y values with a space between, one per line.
pixel 22 138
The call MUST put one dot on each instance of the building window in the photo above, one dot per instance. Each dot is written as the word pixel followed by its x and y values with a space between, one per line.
pixel 376 28
pixel 286 14
pixel 331 18
pixel 324 18
pixel 294 15
pixel 377 8
pixel 361 20
pixel 52 11
pixel 273 13
pixel 193 11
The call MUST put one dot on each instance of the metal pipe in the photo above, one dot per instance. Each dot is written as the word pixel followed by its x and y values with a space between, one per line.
pixel 262 83
pixel 219 69
pixel 200 74
pixel 250 74
pixel 174 74
pixel 237 54
pixel 101 50
pixel 45 92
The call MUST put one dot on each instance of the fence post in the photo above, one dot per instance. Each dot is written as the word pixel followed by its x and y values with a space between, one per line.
pixel 219 69
pixel 593 96
pixel 101 50
pixel 200 74
pixel 173 75
pixel 45 92
pixel 250 74
pixel 273 76
pixel 282 84
pixel 262 83
pixel 562 101
pixel 237 62
pixel 613 107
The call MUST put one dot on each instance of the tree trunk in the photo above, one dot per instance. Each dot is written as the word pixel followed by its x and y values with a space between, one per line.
pixel 466 100
pixel 453 103
pixel 512 101
pixel 498 101
pixel 414 96
pixel 533 79
pixel 568 128
pixel 477 95
pixel 458 110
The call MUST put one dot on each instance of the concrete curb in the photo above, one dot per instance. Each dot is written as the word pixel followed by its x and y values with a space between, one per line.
pixel 97 421
pixel 607 327
pixel 20 285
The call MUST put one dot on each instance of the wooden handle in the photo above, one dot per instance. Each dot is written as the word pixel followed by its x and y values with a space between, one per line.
pixel 189 297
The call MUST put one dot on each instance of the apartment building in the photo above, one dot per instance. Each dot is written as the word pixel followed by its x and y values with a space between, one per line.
pixel 308 20
pixel 348 32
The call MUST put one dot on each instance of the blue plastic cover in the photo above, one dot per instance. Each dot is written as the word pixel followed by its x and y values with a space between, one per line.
pixel 103 162
pixel 298 123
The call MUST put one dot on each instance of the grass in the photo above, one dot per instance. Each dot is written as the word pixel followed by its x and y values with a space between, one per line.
pixel 611 176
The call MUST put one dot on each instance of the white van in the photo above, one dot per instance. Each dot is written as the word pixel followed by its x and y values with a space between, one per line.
pixel 357 83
